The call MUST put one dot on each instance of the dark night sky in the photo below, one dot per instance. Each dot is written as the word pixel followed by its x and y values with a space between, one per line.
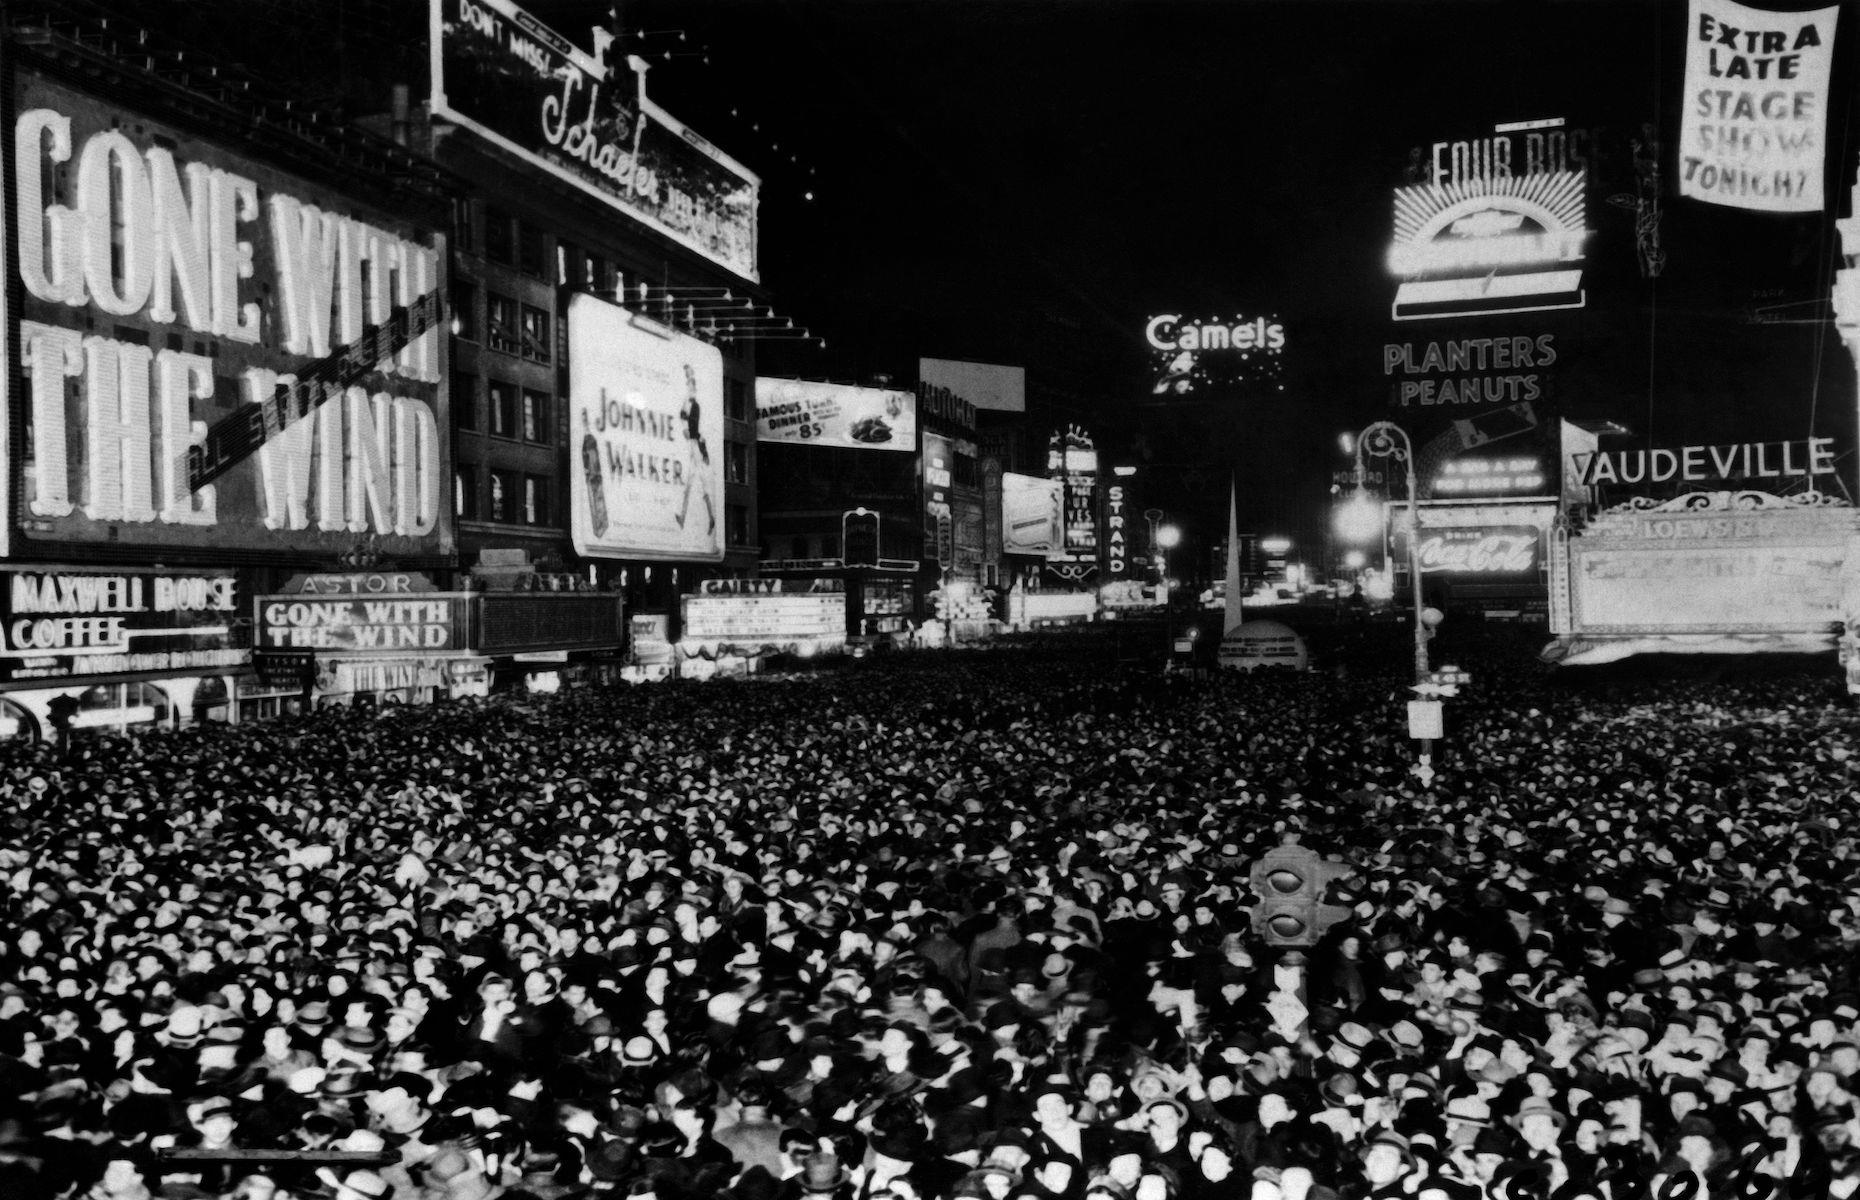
pixel 1025 182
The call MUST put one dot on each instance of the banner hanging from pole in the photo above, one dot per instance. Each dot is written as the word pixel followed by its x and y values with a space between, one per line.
pixel 1754 133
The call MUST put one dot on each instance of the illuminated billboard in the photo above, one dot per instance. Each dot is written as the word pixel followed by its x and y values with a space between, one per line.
pixel 1032 515
pixel 1695 464
pixel 1721 562
pixel 1756 106
pixel 1485 552
pixel 1498 224
pixel 765 617
pixel 646 421
pixel 68 622
pixel 416 624
pixel 806 413
pixel 173 290
pixel 984 385
pixel 1192 356
pixel 585 119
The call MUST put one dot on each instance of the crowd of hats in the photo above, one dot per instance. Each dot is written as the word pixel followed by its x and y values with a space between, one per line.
pixel 975 928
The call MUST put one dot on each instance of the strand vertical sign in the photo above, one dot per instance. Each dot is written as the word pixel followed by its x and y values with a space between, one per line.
pixel 1756 102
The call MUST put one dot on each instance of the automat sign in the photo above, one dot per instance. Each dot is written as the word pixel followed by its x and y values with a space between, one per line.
pixel 167 283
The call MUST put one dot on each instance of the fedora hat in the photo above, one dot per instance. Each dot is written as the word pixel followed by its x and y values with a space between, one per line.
pixel 822 1172
pixel 1470 1110
pixel 1355 1035
pixel 1388 1137
pixel 1537 1106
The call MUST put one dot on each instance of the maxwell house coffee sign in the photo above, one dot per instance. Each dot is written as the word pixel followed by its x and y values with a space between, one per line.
pixel 70 622
pixel 509 78
pixel 169 286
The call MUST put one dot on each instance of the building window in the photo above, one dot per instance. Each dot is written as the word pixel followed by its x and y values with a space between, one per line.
pixel 499 240
pixel 535 500
pixel 536 416
pixel 736 524
pixel 532 250
pixel 503 397
pixel 735 462
pixel 462 239
pixel 736 400
pixel 600 277
pixel 465 399
pixel 500 314
pixel 465 309
pixel 536 324
pixel 497 496
pixel 465 492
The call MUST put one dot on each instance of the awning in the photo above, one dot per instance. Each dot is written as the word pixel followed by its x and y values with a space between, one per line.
pixel 1592 651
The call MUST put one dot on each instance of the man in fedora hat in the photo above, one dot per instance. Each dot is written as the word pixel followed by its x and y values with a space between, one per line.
pixel 1387 1160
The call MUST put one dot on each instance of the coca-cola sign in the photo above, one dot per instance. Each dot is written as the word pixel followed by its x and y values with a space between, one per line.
pixel 1479 550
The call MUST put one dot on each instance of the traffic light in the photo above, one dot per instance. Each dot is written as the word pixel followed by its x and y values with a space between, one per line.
pixel 1290 882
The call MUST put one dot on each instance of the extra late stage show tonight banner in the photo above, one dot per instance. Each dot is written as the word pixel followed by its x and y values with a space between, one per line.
pixel 1754 133
pixel 646 418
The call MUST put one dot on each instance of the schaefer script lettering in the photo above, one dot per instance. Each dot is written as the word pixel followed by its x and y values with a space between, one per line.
pixel 582 143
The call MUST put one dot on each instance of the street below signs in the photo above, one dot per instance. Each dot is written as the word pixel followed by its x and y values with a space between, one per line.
pixel 1435 689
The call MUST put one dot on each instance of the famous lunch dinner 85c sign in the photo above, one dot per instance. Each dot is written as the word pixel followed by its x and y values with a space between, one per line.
pixel 584 118
pixel 807 413
pixel 169 286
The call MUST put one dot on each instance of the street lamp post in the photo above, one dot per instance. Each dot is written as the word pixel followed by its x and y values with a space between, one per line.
pixel 1167 538
pixel 1385 439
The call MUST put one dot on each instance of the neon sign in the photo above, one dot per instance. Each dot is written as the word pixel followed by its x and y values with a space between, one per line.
pixel 1499 226
pixel 1195 356
pixel 1168 332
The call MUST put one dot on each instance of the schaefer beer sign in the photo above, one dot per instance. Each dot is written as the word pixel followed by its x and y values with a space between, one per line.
pixel 506 76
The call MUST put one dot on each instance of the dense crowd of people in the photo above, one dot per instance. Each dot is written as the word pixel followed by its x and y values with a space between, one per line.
pixel 973 926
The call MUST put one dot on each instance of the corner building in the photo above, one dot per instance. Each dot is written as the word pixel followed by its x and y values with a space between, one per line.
pixel 226 378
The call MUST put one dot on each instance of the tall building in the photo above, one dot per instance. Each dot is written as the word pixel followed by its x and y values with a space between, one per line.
pixel 358 411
